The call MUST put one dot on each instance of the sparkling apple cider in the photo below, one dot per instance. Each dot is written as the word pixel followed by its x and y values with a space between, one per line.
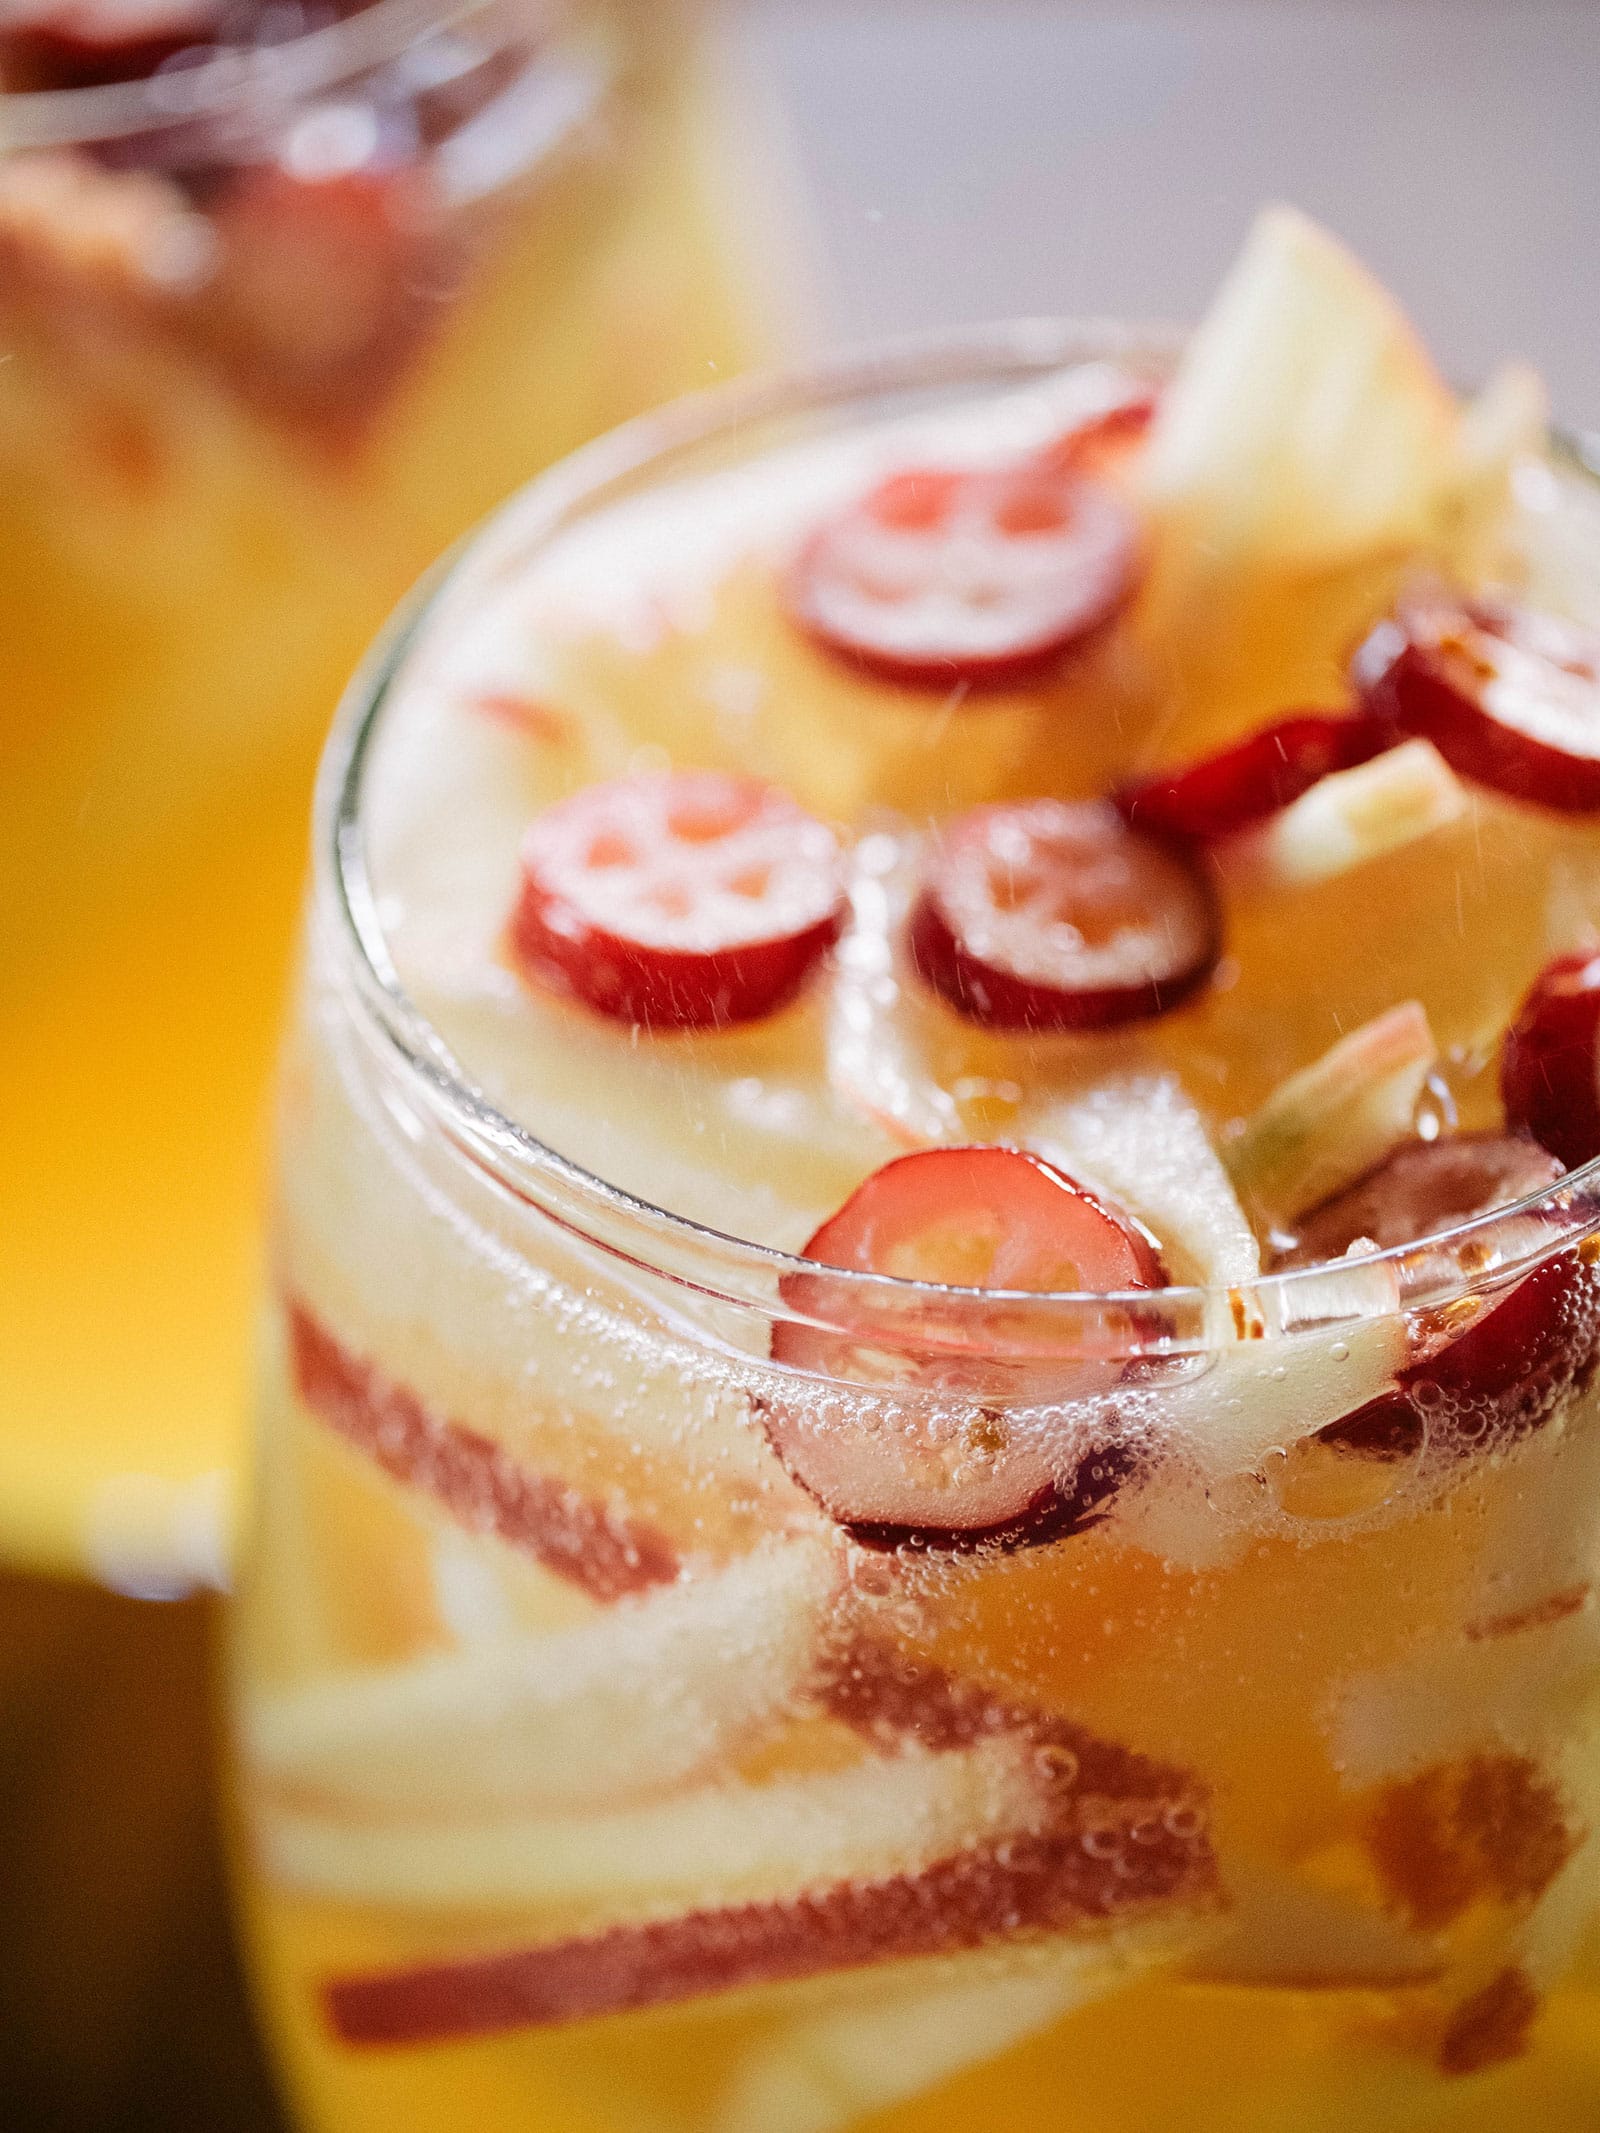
pixel 928 1442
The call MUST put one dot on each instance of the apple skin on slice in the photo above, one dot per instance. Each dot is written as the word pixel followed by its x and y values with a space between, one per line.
pixel 1022 1886
pixel 602 1550
pixel 1098 1837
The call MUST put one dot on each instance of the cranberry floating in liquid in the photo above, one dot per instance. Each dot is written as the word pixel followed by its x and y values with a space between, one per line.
pixel 688 900
pixel 1509 696
pixel 942 578
pixel 957 1473
pixel 1549 1077
pixel 1053 915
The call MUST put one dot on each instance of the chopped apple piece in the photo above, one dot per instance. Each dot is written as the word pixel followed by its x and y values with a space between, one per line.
pixel 1348 820
pixel 1137 1139
pixel 1336 1119
pixel 1306 425
pixel 646 1693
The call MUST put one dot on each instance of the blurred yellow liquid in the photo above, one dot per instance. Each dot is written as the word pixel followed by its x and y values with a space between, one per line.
pixel 185 587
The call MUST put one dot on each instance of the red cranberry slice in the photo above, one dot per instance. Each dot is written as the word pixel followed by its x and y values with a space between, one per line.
pixel 1422 1190
pixel 79 44
pixel 692 899
pixel 1052 915
pixel 1510 697
pixel 942 577
pixel 1254 779
pixel 1503 1369
pixel 979 1217
pixel 1104 439
pixel 1550 1063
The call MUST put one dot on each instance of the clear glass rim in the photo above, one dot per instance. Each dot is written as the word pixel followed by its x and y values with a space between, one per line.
pixel 1488 1252
pixel 299 66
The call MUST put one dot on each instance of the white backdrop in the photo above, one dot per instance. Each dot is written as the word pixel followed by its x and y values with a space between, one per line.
pixel 970 158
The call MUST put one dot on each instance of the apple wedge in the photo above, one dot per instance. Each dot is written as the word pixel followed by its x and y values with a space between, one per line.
pixel 646 1694
pixel 1306 426
pixel 1336 1119
pixel 1347 820
pixel 916 1855
pixel 1139 1140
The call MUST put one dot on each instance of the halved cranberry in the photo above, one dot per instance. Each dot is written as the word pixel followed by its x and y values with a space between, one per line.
pixel 1550 1061
pixel 1510 697
pixel 954 1472
pixel 692 899
pixel 1255 778
pixel 1502 1364
pixel 944 577
pixel 1054 915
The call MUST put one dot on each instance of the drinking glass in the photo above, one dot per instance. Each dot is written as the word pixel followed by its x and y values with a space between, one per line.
pixel 590 1777
pixel 279 325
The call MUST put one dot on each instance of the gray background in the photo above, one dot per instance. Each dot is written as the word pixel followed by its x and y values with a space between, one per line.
pixel 973 158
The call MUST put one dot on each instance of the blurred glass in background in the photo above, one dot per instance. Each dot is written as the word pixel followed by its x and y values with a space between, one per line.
pixel 289 295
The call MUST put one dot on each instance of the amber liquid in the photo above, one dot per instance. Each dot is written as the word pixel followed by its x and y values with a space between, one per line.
pixel 185 588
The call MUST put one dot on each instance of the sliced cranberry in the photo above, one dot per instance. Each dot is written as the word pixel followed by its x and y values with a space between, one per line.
pixel 963 1473
pixel 1054 915
pixel 1503 1367
pixel 1103 440
pixel 688 900
pixel 1422 1190
pixel 1255 778
pixel 1550 1062
pixel 79 44
pixel 1509 697
pixel 941 577
pixel 322 288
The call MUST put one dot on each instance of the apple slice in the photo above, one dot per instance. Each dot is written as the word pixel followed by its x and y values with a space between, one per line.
pixel 1348 820
pixel 877 1055
pixel 723 1843
pixel 1019 1886
pixel 1336 1119
pixel 1137 1140
pixel 599 1548
pixel 1306 426
pixel 644 1695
